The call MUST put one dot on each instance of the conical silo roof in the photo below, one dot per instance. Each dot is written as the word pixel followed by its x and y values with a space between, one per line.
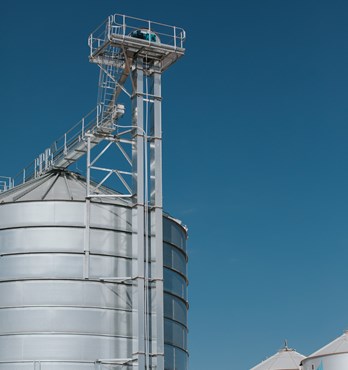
pixel 284 359
pixel 63 185
pixel 339 345
pixel 56 185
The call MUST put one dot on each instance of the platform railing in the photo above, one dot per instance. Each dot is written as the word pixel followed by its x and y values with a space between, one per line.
pixel 6 183
pixel 124 26
pixel 73 140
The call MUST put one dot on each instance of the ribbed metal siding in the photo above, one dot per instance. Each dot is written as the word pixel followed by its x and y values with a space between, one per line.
pixel 175 296
pixel 335 361
pixel 49 313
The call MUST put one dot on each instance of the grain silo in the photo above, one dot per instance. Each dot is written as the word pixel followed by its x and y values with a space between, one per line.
pixel 94 276
pixel 333 356
pixel 284 359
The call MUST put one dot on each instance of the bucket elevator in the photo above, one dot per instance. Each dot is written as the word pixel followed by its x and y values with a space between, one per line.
pixel 131 54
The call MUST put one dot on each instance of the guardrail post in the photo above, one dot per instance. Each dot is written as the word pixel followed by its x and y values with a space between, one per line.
pixel 124 25
pixel 175 37
pixel 109 27
pixel 65 148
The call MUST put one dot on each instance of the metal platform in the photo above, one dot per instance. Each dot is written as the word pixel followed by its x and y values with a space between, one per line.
pixel 165 44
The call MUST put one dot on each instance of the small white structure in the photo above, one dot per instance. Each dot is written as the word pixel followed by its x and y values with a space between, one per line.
pixel 333 356
pixel 285 359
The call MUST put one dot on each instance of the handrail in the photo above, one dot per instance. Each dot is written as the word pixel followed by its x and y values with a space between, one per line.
pixel 66 144
pixel 122 25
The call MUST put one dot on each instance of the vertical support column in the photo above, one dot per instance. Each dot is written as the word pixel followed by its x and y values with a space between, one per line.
pixel 138 242
pixel 86 248
pixel 157 214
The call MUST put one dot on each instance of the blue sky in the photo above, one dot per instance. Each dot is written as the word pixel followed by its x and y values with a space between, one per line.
pixel 255 153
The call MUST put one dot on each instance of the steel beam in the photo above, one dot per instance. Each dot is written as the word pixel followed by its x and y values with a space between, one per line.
pixel 157 212
pixel 138 219
pixel 86 258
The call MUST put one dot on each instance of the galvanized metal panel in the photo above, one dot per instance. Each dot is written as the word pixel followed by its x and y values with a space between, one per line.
pixel 62 266
pixel 32 365
pixel 174 258
pixel 175 309
pixel 174 233
pixel 48 312
pixel 75 320
pixel 176 334
pixel 51 213
pixel 335 361
pixel 175 358
pixel 175 284
pixel 62 347
pixel 65 293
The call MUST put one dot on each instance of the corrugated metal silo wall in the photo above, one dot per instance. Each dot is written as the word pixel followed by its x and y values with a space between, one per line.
pixel 337 361
pixel 50 317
